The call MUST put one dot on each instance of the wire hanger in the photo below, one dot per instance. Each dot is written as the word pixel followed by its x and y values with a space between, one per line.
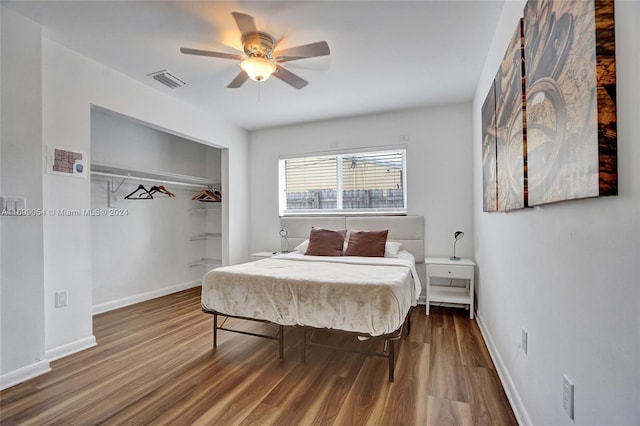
pixel 162 190
pixel 143 195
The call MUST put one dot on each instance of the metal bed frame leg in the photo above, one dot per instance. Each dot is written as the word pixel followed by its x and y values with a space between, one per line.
pixel 303 354
pixel 215 331
pixel 278 336
pixel 392 359
pixel 281 343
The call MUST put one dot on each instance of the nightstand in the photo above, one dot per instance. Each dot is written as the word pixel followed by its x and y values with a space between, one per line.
pixel 261 255
pixel 442 267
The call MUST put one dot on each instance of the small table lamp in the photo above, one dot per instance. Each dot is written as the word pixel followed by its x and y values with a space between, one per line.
pixel 284 241
pixel 456 236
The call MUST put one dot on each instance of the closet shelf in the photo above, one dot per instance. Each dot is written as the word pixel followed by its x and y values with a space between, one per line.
pixel 202 210
pixel 208 236
pixel 109 170
pixel 205 261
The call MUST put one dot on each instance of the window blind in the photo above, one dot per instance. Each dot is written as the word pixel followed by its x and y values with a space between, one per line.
pixel 345 183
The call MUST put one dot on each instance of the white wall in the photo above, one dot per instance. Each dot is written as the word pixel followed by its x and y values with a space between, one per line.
pixel 22 317
pixel 66 121
pixel 147 251
pixel 120 141
pixel 70 85
pixel 439 168
pixel 235 211
pixel 567 272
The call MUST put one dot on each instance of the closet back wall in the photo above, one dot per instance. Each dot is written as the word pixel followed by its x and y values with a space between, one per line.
pixel 146 252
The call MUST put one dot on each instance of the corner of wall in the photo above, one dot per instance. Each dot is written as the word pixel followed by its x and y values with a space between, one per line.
pixel 23 374
pixel 71 348
pixel 519 410
pixel 22 275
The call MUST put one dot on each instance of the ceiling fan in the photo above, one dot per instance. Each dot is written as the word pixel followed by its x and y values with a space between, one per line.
pixel 261 58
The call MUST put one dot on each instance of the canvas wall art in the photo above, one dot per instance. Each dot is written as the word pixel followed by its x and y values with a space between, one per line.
pixel 511 127
pixel 569 51
pixel 558 142
pixel 489 166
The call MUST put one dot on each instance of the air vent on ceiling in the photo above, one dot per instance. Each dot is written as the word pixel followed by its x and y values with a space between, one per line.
pixel 167 79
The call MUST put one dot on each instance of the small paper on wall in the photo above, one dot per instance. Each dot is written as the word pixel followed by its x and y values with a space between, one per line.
pixel 66 163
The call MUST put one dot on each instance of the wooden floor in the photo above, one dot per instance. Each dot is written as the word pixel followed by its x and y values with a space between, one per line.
pixel 154 364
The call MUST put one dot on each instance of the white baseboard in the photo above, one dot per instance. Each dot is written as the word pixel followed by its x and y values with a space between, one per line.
pixel 505 378
pixel 23 374
pixel 42 367
pixel 126 301
pixel 70 348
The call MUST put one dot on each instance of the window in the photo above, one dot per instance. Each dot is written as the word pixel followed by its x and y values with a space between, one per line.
pixel 346 183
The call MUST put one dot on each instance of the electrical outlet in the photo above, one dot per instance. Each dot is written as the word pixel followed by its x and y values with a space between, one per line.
pixel 567 396
pixel 525 339
pixel 61 299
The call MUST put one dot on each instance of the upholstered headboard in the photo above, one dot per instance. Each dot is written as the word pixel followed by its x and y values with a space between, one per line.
pixel 409 230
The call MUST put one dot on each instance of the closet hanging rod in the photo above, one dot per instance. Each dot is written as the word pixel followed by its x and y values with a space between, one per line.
pixel 159 180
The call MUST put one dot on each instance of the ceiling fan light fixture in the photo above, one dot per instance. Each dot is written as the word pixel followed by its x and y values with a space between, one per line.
pixel 258 68
pixel 257 61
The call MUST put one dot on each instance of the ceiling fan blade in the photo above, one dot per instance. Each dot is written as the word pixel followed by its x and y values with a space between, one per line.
pixel 312 50
pixel 188 51
pixel 290 78
pixel 245 22
pixel 238 81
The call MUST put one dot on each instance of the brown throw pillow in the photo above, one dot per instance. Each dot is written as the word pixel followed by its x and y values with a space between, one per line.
pixel 325 242
pixel 367 243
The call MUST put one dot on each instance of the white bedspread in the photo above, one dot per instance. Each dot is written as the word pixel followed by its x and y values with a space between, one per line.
pixel 364 295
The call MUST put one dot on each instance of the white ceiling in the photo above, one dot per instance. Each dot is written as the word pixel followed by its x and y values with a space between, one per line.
pixel 385 55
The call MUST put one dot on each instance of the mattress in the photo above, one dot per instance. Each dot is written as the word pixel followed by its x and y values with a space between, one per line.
pixel 364 295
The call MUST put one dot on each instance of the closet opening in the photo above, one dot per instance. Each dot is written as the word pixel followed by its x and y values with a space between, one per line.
pixel 157 211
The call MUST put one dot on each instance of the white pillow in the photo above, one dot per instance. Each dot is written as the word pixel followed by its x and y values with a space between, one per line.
pixel 302 247
pixel 391 248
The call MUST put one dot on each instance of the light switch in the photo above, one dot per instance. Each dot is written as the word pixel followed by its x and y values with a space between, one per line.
pixel 13 204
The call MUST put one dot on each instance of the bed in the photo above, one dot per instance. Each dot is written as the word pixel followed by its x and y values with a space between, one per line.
pixel 368 297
